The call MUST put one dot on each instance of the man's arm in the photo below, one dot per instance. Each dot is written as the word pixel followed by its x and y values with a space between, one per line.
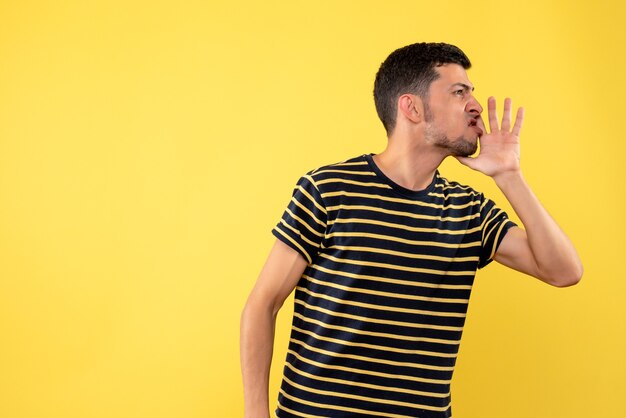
pixel 541 250
pixel 279 276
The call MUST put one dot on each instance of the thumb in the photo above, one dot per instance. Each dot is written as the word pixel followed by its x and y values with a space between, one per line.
pixel 467 161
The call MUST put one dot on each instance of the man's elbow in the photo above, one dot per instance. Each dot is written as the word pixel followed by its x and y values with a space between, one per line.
pixel 258 306
pixel 566 277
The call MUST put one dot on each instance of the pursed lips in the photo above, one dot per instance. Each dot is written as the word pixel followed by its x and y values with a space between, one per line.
pixel 473 123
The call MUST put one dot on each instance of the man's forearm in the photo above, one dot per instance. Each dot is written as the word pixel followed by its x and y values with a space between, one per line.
pixel 257 339
pixel 555 255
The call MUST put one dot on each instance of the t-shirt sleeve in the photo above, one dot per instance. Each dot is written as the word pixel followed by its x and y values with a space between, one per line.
pixel 303 223
pixel 495 224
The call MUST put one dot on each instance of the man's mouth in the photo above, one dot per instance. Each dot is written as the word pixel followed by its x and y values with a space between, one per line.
pixel 473 123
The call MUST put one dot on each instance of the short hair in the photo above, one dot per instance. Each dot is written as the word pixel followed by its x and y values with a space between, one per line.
pixel 411 69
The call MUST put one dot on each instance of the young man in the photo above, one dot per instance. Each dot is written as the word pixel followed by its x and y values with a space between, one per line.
pixel 382 251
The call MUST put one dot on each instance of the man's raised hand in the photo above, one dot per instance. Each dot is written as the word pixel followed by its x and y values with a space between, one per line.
pixel 500 148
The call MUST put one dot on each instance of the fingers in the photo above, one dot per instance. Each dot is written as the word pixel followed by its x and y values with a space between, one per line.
pixel 519 119
pixel 493 115
pixel 506 117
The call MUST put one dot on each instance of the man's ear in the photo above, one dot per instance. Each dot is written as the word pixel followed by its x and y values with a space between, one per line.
pixel 411 107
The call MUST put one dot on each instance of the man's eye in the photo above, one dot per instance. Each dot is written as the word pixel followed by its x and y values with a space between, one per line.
pixel 459 92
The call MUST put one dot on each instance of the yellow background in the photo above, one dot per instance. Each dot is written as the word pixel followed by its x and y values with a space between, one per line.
pixel 147 148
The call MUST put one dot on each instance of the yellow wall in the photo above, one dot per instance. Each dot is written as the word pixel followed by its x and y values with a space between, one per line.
pixel 147 148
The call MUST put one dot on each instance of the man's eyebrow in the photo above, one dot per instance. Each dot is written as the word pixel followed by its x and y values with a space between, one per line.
pixel 465 86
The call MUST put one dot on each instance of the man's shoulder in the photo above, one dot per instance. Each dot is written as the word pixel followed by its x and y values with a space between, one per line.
pixel 352 166
pixel 454 188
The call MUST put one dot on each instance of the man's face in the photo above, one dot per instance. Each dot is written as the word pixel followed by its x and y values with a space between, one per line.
pixel 451 112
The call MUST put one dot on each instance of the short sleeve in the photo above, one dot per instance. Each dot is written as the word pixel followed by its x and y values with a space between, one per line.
pixel 495 223
pixel 303 223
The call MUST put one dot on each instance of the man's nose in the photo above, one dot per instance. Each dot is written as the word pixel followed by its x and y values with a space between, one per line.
pixel 474 107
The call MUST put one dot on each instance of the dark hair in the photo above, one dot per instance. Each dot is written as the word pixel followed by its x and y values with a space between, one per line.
pixel 411 69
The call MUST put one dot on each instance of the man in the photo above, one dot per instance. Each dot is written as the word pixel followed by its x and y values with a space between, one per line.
pixel 382 251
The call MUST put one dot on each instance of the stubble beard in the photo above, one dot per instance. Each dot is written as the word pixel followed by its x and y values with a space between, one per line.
pixel 459 147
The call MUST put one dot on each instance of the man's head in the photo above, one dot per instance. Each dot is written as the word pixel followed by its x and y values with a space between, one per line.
pixel 411 69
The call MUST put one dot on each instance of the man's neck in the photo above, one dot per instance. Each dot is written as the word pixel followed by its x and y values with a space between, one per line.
pixel 411 166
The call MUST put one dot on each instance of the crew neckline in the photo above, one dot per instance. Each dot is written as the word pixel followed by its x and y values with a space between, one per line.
pixel 395 186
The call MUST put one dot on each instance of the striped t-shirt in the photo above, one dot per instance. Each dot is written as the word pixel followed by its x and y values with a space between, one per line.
pixel 380 309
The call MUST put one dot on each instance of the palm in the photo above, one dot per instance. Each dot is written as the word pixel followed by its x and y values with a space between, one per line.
pixel 500 148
